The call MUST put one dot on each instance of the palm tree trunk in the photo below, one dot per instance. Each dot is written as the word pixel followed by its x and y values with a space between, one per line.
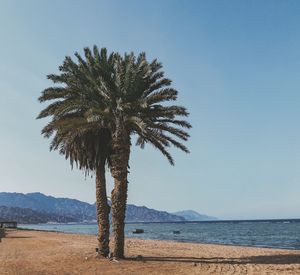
pixel 119 170
pixel 119 198
pixel 103 210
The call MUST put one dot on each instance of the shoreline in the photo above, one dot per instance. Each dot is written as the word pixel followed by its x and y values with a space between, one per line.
pixel 179 241
pixel 41 252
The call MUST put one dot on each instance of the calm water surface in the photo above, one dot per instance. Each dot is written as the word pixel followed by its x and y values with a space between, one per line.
pixel 275 234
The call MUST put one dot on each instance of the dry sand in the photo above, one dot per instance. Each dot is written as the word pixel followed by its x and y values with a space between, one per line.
pixel 33 252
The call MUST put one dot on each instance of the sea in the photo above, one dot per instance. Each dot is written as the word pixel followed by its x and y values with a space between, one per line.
pixel 284 234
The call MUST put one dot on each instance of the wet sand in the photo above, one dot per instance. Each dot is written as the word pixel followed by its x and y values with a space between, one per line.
pixel 34 252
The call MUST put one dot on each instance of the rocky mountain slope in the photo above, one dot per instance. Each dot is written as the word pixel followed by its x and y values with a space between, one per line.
pixel 29 216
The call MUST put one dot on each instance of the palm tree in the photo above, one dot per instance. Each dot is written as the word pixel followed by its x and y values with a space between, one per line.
pixel 123 96
pixel 140 91
pixel 75 133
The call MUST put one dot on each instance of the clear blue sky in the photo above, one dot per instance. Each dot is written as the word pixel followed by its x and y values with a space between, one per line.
pixel 236 65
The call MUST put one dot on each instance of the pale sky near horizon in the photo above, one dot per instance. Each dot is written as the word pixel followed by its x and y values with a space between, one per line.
pixel 236 65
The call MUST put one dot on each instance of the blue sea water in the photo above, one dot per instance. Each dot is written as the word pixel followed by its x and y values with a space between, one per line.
pixel 268 233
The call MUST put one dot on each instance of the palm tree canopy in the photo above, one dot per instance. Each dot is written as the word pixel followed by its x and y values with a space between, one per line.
pixel 97 94
pixel 75 133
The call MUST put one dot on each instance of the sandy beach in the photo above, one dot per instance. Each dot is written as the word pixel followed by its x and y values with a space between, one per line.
pixel 35 252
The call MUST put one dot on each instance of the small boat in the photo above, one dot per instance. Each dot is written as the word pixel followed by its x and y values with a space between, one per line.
pixel 138 231
pixel 176 232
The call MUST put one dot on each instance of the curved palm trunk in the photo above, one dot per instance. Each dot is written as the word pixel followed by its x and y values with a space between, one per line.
pixel 102 211
pixel 119 165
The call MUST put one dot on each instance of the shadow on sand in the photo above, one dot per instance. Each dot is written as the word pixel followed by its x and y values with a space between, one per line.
pixel 18 237
pixel 262 259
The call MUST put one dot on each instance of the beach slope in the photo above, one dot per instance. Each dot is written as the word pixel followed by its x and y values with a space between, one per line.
pixel 33 252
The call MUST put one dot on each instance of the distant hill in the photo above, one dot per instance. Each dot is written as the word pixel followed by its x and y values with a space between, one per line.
pixel 191 215
pixel 64 207
pixel 25 215
pixel 143 214
pixel 75 210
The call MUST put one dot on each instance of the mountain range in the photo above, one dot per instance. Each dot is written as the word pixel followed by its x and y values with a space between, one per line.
pixel 39 208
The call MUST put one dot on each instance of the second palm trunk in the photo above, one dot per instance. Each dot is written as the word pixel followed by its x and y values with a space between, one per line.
pixel 119 169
